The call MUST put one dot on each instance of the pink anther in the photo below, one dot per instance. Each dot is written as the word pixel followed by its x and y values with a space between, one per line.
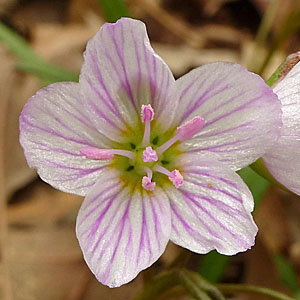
pixel 148 184
pixel 190 128
pixel 176 178
pixel 147 113
pixel 97 154
pixel 149 155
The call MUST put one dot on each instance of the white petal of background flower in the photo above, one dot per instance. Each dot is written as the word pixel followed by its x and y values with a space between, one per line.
pixel 120 73
pixel 122 232
pixel 237 106
pixel 283 159
pixel 212 209
pixel 53 129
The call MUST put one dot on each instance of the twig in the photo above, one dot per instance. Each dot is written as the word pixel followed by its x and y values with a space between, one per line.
pixel 179 28
pixel 7 290
pixel 263 32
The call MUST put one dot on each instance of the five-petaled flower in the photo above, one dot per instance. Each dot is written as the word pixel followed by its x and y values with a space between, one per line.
pixel 155 158
pixel 282 161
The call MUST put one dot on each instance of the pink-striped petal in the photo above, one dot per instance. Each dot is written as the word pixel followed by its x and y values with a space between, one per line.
pixel 242 115
pixel 120 73
pixel 283 159
pixel 122 229
pixel 53 129
pixel 212 209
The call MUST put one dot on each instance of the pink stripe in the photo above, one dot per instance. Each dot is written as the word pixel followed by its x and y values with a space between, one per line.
pixel 226 130
pixel 205 225
pixel 240 108
pixel 239 143
pixel 99 77
pixel 235 237
pixel 211 176
pixel 121 58
pixel 216 108
pixel 25 122
pixel 203 98
pixel 156 222
pixel 196 234
pixel 197 182
pixel 137 56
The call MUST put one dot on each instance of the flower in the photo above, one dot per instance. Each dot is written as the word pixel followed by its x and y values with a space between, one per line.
pixel 155 158
pixel 282 161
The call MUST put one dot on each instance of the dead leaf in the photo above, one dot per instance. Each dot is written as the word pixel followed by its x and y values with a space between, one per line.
pixel 271 218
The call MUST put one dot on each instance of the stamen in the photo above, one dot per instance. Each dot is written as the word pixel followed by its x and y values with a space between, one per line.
pixel 146 181
pixel 103 154
pixel 174 176
pixel 147 113
pixel 149 155
pixel 183 133
pixel 190 128
pixel 161 149
pixel 147 116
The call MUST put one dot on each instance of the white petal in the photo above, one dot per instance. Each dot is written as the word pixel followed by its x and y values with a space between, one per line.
pixel 283 159
pixel 241 112
pixel 122 229
pixel 53 129
pixel 212 209
pixel 120 73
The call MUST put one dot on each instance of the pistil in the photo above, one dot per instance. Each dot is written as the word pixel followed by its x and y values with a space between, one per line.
pixel 146 181
pixel 141 160
pixel 149 155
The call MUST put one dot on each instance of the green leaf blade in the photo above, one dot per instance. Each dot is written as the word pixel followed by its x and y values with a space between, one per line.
pixel 29 61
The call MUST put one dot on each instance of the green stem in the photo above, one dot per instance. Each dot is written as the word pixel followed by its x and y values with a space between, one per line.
pixel 259 167
pixel 204 285
pixel 264 29
pixel 192 286
pixel 267 22
pixel 181 259
pixel 289 26
pixel 284 68
pixel 252 289
pixel 192 282
pixel 158 286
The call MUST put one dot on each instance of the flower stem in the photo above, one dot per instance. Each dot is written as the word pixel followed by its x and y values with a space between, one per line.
pixel 198 287
pixel 158 286
pixel 252 289
pixel 284 68
pixel 181 259
pixel 192 282
pixel 259 167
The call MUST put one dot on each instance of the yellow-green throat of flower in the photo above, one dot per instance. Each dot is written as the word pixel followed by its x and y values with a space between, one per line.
pixel 145 159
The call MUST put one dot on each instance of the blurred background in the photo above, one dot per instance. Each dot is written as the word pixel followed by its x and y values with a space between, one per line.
pixel 42 41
